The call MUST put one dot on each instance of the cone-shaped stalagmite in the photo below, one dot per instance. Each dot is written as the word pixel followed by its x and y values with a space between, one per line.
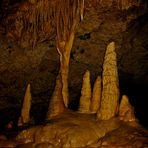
pixel 126 111
pixel 110 92
pixel 84 106
pixel 96 96
pixel 56 105
pixel 25 112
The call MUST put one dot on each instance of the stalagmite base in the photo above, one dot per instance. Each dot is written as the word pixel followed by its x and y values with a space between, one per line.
pixel 84 106
pixel 110 92
pixel 96 96
pixel 56 105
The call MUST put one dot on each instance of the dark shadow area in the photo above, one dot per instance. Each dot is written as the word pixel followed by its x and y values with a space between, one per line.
pixel 138 97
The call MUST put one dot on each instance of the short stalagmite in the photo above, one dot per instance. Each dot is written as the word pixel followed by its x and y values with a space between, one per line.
pixel 56 104
pixel 110 92
pixel 25 112
pixel 84 106
pixel 96 96
pixel 126 111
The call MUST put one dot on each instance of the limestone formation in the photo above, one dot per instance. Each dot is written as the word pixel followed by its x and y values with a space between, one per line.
pixel 67 19
pixel 25 112
pixel 110 92
pixel 84 106
pixel 96 96
pixel 126 111
pixel 56 104
pixel 82 9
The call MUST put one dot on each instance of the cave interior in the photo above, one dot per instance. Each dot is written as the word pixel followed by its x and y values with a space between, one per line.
pixel 54 51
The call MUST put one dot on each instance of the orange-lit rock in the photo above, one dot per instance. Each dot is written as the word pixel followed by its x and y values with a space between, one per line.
pixel 126 111
pixel 96 96
pixel 25 112
pixel 56 104
pixel 110 91
pixel 84 104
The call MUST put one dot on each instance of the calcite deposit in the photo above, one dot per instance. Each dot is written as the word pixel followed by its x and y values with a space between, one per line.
pixel 73 53
pixel 110 90
pixel 96 95
pixel 84 105
pixel 25 112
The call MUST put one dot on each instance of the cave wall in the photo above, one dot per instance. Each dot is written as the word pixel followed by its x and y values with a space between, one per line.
pixel 103 22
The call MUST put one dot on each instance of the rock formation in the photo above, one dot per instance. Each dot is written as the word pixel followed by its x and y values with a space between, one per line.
pixel 67 20
pixel 96 96
pixel 84 104
pixel 110 82
pixel 56 104
pixel 25 112
pixel 126 111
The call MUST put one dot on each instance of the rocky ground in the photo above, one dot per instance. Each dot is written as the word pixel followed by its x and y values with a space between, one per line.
pixel 80 130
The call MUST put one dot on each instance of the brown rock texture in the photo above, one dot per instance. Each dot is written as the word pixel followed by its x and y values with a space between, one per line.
pixel 85 99
pixel 80 130
pixel 25 112
pixel 110 90
pixel 56 104
pixel 126 111
pixel 96 96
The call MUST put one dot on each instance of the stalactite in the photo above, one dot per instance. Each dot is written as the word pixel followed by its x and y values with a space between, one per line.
pixel 96 96
pixel 56 104
pixel 84 105
pixel 82 9
pixel 110 92
pixel 126 111
pixel 25 112
pixel 36 19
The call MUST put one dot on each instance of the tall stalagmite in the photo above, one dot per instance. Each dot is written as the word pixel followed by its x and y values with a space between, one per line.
pixel 56 104
pixel 110 92
pixel 84 106
pixel 96 96
pixel 25 112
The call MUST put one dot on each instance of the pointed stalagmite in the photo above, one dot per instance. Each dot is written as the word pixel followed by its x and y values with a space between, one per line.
pixel 25 112
pixel 56 105
pixel 84 106
pixel 96 96
pixel 110 92
pixel 126 111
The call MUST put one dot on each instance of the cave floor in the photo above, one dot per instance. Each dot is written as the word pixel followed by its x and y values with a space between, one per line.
pixel 73 129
